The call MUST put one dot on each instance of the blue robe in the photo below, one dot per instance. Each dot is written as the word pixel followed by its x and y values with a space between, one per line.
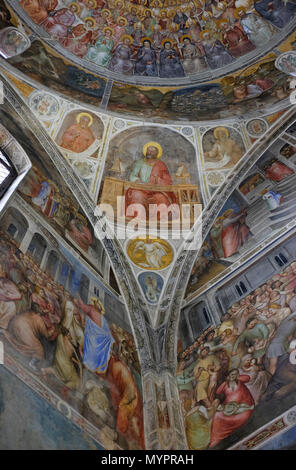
pixel 146 62
pixel 170 65
pixel 280 15
pixel 97 345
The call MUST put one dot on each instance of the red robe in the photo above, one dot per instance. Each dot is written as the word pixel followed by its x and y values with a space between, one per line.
pixel 222 425
pixel 127 401
pixel 278 171
pixel 159 176
pixel 237 41
pixel 234 234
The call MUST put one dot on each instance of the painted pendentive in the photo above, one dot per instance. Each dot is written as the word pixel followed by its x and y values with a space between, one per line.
pixel 62 284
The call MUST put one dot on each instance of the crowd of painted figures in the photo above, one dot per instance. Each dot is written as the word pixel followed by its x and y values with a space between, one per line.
pixel 63 339
pixel 243 362
pixel 165 38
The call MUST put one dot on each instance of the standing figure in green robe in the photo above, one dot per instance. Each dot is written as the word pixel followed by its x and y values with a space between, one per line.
pixel 100 53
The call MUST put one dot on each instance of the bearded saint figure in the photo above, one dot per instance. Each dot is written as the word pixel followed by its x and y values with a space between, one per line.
pixel 150 169
pixel 78 137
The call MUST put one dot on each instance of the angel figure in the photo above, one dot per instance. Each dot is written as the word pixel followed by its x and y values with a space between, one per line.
pixel 154 252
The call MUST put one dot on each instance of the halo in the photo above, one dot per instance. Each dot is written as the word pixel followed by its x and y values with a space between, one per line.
pixel 205 31
pixel 164 11
pixel 108 11
pixel 81 217
pixel 148 9
pixel 95 5
pixel 146 39
pixel 221 21
pixel 153 144
pixel 167 40
pixel 219 129
pixel 185 36
pixel 91 19
pixel 126 36
pixel 107 28
pixel 121 18
pixel 78 9
pixel 171 13
pixel 237 10
pixel 80 115
pixel 132 5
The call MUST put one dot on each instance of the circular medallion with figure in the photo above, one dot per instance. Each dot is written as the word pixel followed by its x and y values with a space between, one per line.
pixel 45 105
pixel 150 253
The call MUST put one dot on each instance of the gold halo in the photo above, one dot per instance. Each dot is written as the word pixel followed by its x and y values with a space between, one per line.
pixel 237 10
pixel 148 9
pixel 125 36
pixel 94 2
pixel 185 36
pixel 92 20
pixel 166 13
pixel 107 28
pixel 146 39
pixel 131 6
pixel 81 217
pixel 80 115
pixel 121 18
pixel 221 21
pixel 218 129
pixel 108 11
pixel 167 40
pixel 78 9
pixel 205 31
pixel 153 144
pixel 171 13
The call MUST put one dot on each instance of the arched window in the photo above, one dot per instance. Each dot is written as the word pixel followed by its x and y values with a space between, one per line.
pixel 7 173
pixel 243 287
pixel 52 263
pixel 238 289
pixel 283 258
pixel 37 247
pixel 15 224
pixel 279 261
pixel 11 230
